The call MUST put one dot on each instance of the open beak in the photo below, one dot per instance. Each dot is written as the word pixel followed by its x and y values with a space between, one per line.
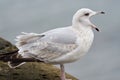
pixel 93 26
pixel 97 29
pixel 100 12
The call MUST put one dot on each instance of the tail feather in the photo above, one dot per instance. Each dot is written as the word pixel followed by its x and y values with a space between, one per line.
pixel 26 38
pixel 22 40
pixel 14 65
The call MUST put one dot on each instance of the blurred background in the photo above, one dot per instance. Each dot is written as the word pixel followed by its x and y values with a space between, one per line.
pixel 103 60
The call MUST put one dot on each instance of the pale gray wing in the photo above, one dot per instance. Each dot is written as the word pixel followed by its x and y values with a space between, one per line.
pixel 49 45
pixel 60 35
pixel 51 51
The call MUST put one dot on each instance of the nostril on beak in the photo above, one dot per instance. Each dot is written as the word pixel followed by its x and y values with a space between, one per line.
pixel 102 12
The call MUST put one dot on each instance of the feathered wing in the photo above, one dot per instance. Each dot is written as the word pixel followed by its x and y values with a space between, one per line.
pixel 23 39
pixel 50 51
pixel 47 46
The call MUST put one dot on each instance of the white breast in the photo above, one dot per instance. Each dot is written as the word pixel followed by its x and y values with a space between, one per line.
pixel 84 40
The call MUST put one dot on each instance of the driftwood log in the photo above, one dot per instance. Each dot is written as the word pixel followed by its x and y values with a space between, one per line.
pixel 33 70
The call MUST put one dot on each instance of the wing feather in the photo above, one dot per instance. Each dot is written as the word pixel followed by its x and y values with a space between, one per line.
pixel 45 48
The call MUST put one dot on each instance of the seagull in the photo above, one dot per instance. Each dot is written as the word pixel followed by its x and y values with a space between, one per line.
pixel 60 45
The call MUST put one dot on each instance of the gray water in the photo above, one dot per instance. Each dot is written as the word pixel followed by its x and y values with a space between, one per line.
pixel 102 61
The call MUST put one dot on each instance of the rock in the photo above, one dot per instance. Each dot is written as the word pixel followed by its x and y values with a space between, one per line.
pixel 6 46
pixel 31 71
pixel 28 71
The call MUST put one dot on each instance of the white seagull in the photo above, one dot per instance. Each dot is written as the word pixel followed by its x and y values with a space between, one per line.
pixel 60 45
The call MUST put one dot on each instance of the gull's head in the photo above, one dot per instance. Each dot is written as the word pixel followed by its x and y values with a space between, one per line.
pixel 83 15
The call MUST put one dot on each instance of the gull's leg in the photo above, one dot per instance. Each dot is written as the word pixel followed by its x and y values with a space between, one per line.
pixel 62 72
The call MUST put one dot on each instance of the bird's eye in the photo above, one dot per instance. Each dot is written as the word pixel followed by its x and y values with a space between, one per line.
pixel 86 14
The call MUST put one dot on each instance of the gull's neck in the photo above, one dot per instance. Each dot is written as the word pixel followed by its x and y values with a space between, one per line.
pixel 81 26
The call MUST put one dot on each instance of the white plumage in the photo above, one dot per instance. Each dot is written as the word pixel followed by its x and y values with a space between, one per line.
pixel 61 45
